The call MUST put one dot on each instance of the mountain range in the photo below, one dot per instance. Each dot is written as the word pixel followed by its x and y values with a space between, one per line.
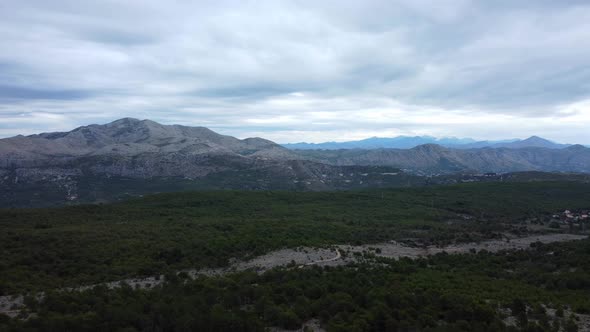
pixel 131 157
pixel 436 159
pixel 408 142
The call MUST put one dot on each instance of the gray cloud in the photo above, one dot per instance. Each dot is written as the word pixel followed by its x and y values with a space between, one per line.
pixel 16 93
pixel 296 69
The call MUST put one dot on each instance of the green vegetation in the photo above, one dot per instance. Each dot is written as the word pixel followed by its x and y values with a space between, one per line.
pixel 439 293
pixel 52 248
pixel 88 188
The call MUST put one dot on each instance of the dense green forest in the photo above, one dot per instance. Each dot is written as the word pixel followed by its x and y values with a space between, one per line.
pixel 69 246
pixel 538 289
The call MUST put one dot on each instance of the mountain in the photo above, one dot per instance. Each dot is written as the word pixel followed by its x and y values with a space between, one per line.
pixel 131 157
pixel 408 142
pixel 533 141
pixel 400 142
pixel 431 158
pixel 131 137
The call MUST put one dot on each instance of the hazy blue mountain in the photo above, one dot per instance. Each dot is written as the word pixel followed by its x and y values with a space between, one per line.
pixel 531 142
pixel 432 158
pixel 398 142
pixel 408 142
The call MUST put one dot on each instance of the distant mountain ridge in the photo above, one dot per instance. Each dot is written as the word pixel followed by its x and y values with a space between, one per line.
pixel 131 137
pixel 408 142
pixel 436 159
pixel 131 156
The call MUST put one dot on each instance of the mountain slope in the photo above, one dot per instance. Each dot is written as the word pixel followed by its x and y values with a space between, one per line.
pixel 134 157
pixel 433 158
pixel 99 162
pixel 131 137
pixel 407 142
pixel 400 142
pixel 531 142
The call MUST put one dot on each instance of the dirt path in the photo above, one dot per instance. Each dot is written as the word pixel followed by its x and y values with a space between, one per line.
pixel 395 249
pixel 335 258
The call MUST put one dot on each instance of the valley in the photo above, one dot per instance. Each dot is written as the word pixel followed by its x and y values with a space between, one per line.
pixel 134 225
pixel 295 166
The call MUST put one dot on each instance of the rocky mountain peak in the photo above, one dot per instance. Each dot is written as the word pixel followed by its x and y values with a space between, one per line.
pixel 130 136
pixel 537 140
pixel 577 147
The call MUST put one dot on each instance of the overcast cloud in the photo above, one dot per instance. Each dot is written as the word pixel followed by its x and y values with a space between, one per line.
pixel 300 70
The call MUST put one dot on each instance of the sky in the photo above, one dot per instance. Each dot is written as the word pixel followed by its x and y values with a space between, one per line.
pixel 293 71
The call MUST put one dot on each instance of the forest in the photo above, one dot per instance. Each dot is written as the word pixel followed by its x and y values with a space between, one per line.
pixel 45 250
pixel 539 289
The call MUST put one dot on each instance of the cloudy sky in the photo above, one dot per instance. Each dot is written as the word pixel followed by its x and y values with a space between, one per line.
pixel 297 71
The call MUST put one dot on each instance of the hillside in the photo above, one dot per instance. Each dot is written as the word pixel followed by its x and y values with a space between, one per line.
pixel 131 157
pixel 408 142
pixel 182 260
pixel 131 137
pixel 433 158
pixel 226 224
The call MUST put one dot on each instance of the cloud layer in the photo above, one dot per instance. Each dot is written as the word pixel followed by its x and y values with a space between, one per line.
pixel 300 70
